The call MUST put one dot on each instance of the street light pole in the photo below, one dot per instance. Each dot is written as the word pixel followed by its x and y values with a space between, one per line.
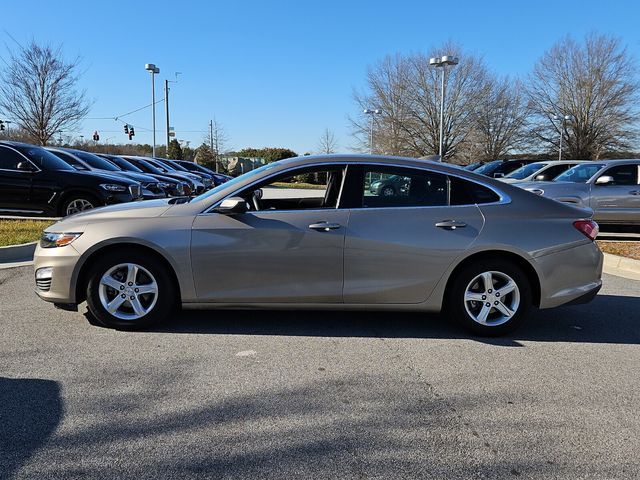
pixel 442 62
pixel 166 111
pixel 368 111
pixel 151 68
pixel 564 119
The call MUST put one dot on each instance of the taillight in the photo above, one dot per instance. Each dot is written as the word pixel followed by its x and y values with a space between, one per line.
pixel 589 228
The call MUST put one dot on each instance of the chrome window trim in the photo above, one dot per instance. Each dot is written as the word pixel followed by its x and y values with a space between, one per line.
pixel 37 169
pixel 504 198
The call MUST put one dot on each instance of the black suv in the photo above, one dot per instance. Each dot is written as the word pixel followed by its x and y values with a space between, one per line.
pixel 502 168
pixel 34 181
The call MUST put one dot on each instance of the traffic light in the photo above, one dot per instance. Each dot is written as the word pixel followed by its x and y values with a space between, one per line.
pixel 96 137
pixel 126 130
pixel 131 133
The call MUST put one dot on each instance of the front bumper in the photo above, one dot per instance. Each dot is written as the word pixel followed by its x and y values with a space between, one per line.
pixel 62 261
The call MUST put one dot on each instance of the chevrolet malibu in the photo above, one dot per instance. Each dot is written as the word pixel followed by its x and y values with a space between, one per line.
pixel 309 233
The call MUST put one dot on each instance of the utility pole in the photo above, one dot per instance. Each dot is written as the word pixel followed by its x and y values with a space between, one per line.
pixel 215 158
pixel 442 62
pixel 166 111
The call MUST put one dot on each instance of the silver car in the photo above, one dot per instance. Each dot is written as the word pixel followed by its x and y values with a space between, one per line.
pixel 611 188
pixel 309 232
pixel 543 171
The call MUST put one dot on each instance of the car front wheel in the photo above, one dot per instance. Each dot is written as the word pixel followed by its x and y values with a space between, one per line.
pixel 490 297
pixel 129 291
pixel 78 203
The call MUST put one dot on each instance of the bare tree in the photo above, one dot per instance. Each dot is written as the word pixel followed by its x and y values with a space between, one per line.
pixel 327 143
pixel 594 84
pixel 217 139
pixel 407 90
pixel 500 119
pixel 38 91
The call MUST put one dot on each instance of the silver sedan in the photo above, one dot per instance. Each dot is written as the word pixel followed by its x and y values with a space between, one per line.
pixel 310 232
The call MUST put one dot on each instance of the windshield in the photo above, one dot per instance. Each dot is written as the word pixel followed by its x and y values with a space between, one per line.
pixel 95 162
pixel 122 163
pixel 488 167
pixel 147 167
pixel 175 165
pixel 580 173
pixel 43 159
pixel 233 181
pixel 526 171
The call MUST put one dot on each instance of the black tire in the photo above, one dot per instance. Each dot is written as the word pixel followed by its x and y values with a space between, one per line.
pixel 388 191
pixel 74 197
pixel 457 309
pixel 165 302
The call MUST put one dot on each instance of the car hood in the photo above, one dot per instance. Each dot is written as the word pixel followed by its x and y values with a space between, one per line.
pixel 138 177
pixel 556 189
pixel 101 175
pixel 145 209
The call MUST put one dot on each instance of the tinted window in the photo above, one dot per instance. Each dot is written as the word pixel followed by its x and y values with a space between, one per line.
pixel 623 174
pixel 9 159
pixel 488 168
pixel 398 187
pixel 464 192
pixel 43 159
pixel 553 171
pixel 95 161
pixel 124 164
pixel 580 173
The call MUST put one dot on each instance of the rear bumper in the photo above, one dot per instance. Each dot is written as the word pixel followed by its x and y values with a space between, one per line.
pixel 570 276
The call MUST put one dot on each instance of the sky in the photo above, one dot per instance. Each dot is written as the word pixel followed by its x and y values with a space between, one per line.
pixel 277 73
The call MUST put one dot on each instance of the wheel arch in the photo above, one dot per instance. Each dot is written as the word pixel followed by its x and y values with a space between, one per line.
pixel 519 260
pixel 65 194
pixel 80 277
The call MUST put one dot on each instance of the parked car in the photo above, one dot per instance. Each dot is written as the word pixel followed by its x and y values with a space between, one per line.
pixel 194 167
pixel 501 168
pixel 86 161
pixel 143 164
pixel 473 166
pixel 196 180
pixel 455 240
pixel 33 181
pixel 611 188
pixel 170 186
pixel 392 185
pixel 205 178
pixel 540 171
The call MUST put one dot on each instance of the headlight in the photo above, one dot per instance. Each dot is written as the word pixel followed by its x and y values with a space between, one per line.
pixel 164 185
pixel 112 187
pixel 53 240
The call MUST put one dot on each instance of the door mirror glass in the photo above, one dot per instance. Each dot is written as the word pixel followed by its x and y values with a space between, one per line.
pixel 540 178
pixel 232 205
pixel 604 180
pixel 25 167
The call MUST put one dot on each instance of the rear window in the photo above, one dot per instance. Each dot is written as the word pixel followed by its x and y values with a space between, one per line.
pixel 464 192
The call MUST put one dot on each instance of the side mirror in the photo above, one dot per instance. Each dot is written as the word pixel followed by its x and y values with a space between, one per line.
pixel 540 178
pixel 232 205
pixel 604 180
pixel 498 175
pixel 25 167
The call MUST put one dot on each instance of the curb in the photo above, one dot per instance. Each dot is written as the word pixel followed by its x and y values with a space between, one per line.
pixel 621 266
pixel 17 253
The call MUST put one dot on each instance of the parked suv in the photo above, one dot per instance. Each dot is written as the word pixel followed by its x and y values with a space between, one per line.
pixel 501 168
pixel 33 181
pixel 218 178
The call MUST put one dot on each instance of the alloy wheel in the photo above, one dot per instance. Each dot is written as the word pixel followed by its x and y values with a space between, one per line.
pixel 128 291
pixel 79 205
pixel 492 298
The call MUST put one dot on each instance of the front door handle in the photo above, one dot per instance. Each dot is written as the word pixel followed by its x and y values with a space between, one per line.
pixel 324 226
pixel 450 224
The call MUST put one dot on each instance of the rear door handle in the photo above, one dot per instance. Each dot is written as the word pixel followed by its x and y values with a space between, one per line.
pixel 324 226
pixel 450 224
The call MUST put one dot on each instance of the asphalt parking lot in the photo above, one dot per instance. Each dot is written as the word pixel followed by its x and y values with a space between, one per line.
pixel 319 395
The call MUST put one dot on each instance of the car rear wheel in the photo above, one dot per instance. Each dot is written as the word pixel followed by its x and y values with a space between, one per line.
pixel 129 291
pixel 388 192
pixel 78 203
pixel 490 297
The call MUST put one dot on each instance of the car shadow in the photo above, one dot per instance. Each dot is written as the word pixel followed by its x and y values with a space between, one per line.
pixel 30 411
pixel 607 319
